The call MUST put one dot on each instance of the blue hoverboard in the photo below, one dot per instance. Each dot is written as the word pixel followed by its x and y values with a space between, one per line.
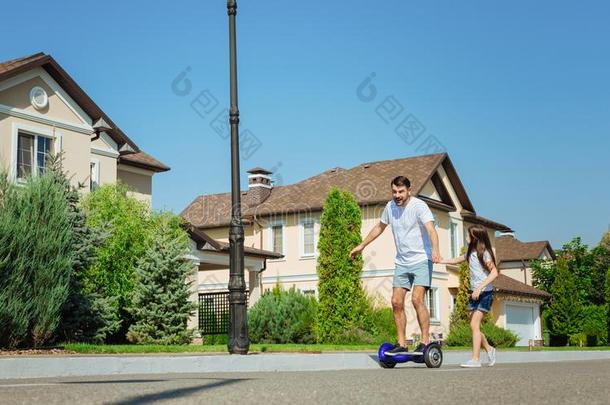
pixel 433 356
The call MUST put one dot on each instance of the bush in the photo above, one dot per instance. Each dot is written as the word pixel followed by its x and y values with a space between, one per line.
pixel 128 222
pixel 461 335
pixel 343 305
pixel 593 326
pixel 282 317
pixel 383 325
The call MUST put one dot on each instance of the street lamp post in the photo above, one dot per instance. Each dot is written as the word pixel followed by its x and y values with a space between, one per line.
pixel 238 324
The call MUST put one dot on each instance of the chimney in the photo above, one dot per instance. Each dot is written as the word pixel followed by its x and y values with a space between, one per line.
pixel 259 185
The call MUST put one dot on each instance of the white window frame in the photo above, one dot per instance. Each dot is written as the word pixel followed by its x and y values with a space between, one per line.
pixel 455 253
pixel 94 173
pixel 270 239
pixel 302 222
pixel 436 297
pixel 36 132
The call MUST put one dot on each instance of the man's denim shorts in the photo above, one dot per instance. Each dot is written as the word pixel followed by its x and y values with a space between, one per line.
pixel 483 304
pixel 417 274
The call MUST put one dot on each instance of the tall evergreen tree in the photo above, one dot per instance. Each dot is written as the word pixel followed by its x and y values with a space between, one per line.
pixel 161 305
pixel 460 310
pixel 566 308
pixel 36 260
pixel 342 301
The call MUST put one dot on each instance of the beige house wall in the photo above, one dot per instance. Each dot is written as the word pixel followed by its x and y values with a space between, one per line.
pixel 18 96
pixel 139 182
pixel 76 144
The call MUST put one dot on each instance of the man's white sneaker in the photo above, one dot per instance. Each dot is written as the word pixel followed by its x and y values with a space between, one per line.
pixel 471 364
pixel 491 355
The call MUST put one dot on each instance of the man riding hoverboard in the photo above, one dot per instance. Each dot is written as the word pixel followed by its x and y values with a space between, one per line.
pixel 416 242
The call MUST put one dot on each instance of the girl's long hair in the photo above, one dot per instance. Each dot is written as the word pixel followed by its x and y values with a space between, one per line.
pixel 479 243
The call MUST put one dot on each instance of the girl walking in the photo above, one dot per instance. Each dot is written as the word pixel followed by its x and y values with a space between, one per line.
pixel 483 271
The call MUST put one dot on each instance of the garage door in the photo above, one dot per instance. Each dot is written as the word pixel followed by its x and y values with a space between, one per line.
pixel 520 320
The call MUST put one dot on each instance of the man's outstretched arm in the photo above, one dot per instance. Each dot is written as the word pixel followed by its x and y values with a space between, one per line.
pixel 373 234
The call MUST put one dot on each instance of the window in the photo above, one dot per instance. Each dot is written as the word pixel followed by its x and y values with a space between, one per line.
pixel 453 238
pixel 308 247
pixel 43 150
pixel 277 238
pixel 432 301
pixel 32 154
pixel 94 174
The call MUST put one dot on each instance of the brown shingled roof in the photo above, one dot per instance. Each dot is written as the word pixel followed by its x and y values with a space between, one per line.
pixel 204 240
pixel 14 67
pixel 368 182
pixel 508 285
pixel 143 160
pixel 508 249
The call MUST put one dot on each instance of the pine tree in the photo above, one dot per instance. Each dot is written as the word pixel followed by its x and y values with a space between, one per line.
pixel 161 305
pixel 342 302
pixel 460 309
pixel 565 309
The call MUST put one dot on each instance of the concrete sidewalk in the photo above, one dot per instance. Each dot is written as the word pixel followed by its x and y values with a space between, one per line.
pixel 86 365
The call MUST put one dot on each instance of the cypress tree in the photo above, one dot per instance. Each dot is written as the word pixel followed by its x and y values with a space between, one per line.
pixel 460 309
pixel 565 308
pixel 342 302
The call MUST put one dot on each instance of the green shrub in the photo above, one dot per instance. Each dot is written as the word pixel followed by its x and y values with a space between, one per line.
pixel 343 304
pixel 383 325
pixel 461 335
pixel 594 325
pixel 128 222
pixel 282 317
pixel 215 339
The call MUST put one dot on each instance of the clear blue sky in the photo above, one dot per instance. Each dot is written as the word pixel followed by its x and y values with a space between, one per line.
pixel 518 92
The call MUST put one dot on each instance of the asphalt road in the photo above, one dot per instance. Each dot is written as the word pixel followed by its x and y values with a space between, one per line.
pixel 533 383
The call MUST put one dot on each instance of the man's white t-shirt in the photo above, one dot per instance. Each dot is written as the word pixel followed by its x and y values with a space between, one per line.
pixel 410 235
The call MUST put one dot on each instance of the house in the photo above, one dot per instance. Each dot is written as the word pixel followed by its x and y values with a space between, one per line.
pixel 44 111
pixel 286 220
pixel 522 304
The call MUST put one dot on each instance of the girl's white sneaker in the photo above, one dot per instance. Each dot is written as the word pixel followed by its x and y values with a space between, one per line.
pixel 491 355
pixel 471 364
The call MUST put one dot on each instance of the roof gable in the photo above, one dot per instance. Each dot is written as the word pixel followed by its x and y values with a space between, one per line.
pixel 510 249
pixel 87 106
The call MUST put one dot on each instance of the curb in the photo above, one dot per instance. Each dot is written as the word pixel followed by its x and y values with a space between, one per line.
pixel 72 366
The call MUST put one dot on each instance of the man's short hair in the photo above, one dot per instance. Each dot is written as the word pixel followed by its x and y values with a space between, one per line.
pixel 401 181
